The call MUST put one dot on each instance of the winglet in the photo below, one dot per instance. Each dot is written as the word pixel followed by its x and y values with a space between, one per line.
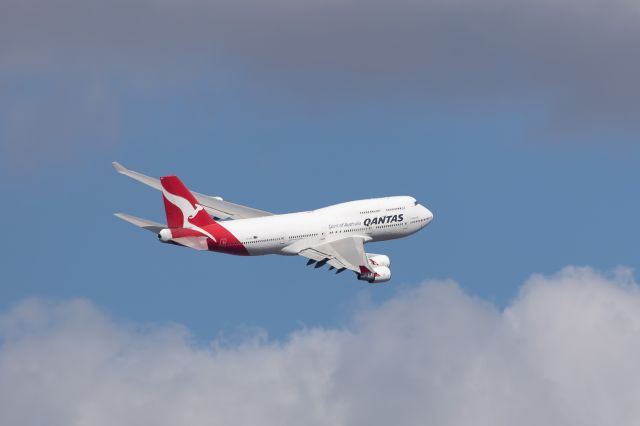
pixel 154 183
pixel 119 167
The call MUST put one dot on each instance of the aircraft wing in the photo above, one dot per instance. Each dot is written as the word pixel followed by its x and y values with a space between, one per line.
pixel 215 206
pixel 345 253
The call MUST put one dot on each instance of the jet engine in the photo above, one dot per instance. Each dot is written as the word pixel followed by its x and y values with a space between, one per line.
pixel 165 235
pixel 379 259
pixel 380 274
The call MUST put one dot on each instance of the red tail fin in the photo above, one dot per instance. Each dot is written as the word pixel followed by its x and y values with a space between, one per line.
pixel 181 206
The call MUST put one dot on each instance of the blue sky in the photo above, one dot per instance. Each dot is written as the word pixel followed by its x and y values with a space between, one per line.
pixel 506 205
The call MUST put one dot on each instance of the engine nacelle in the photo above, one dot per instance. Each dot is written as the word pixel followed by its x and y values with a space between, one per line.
pixel 379 259
pixel 165 235
pixel 380 274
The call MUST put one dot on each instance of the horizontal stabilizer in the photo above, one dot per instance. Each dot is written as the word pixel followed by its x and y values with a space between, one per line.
pixel 149 225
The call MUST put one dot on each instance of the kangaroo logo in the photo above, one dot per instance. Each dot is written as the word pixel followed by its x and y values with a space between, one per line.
pixel 189 212
pixel 198 209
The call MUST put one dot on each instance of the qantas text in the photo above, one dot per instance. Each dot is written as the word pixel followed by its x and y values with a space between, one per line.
pixel 383 219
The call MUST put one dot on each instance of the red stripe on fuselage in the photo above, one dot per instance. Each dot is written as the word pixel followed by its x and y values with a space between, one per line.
pixel 225 242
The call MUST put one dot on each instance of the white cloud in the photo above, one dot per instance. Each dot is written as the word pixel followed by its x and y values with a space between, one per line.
pixel 565 352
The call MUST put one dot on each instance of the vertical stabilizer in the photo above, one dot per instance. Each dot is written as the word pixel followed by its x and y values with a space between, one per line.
pixel 181 207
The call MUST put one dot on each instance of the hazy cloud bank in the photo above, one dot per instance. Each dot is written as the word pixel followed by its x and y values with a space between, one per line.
pixel 571 64
pixel 564 352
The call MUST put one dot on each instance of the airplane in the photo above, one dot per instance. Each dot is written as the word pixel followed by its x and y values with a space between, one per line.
pixel 333 235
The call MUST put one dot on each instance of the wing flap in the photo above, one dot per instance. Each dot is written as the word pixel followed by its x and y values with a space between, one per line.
pixel 228 210
pixel 346 252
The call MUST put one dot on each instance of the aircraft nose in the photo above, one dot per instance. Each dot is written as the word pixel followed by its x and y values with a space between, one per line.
pixel 427 214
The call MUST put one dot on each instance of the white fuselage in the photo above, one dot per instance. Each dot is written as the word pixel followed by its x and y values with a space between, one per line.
pixel 376 219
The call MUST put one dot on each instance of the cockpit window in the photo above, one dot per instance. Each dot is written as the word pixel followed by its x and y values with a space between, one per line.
pixel 415 203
